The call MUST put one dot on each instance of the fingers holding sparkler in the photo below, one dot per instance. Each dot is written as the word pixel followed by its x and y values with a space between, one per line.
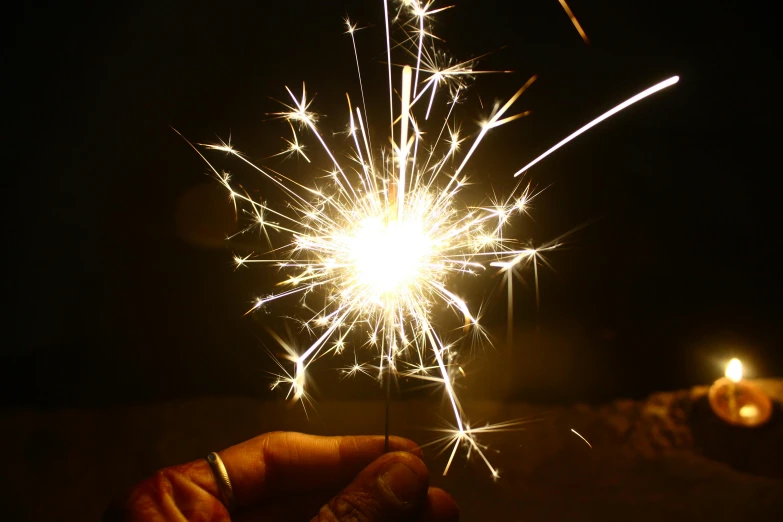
pixel 393 488
pixel 289 476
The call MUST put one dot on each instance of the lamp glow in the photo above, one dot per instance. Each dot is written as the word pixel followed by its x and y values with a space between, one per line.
pixel 739 402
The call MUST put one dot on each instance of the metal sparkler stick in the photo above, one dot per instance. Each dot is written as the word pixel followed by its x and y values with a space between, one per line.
pixel 388 408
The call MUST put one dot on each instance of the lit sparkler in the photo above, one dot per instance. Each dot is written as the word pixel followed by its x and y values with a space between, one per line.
pixel 379 246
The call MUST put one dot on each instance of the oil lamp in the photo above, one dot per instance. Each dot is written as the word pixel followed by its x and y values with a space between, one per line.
pixel 739 402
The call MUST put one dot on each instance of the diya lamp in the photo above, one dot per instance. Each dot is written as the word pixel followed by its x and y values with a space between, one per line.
pixel 739 402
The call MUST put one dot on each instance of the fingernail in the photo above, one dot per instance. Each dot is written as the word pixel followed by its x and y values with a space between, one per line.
pixel 401 483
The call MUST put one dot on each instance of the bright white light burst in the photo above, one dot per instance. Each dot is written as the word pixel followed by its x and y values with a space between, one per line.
pixel 379 245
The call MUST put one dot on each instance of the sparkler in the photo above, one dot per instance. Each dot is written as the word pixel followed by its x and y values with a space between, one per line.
pixel 375 251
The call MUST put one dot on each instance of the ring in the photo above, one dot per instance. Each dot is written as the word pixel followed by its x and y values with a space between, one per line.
pixel 222 479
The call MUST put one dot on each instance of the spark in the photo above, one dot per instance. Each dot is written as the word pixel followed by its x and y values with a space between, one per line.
pixel 240 261
pixel 574 21
pixel 608 114
pixel 356 368
pixel 584 439
pixel 467 437
pixel 374 251
pixel 294 147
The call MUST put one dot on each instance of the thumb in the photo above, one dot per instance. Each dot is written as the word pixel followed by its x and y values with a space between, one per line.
pixel 391 489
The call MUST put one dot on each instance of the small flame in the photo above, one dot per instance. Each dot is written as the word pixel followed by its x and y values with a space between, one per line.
pixel 734 370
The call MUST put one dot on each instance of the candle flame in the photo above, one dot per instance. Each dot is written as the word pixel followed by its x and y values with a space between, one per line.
pixel 734 370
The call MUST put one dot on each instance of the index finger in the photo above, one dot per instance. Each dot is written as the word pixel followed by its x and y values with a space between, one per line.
pixel 285 462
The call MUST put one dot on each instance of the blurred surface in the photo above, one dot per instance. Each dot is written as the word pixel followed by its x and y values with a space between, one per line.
pixel 665 458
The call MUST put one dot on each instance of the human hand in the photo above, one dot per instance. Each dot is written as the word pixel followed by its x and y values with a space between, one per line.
pixel 284 476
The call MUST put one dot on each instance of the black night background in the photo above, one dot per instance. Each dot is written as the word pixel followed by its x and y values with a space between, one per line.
pixel 120 290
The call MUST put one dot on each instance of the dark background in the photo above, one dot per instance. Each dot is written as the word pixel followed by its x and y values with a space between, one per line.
pixel 116 291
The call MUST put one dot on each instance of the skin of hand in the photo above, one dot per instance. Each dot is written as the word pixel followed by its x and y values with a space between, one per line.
pixel 284 476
